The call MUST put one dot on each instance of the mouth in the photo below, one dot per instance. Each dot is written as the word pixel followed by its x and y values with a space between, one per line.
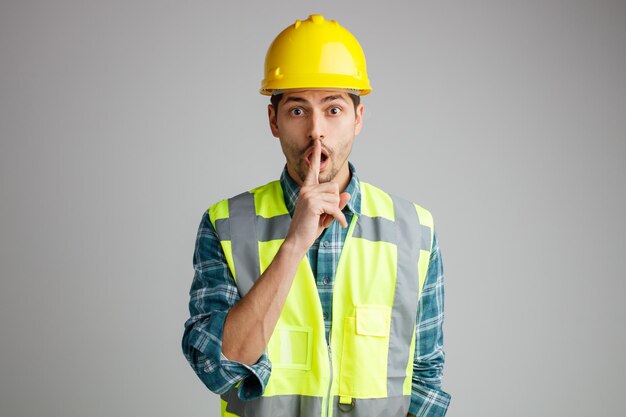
pixel 324 157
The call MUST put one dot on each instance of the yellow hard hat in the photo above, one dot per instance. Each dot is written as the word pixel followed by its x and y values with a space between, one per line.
pixel 315 53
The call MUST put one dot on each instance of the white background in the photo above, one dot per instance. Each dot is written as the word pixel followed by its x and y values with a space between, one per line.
pixel 122 121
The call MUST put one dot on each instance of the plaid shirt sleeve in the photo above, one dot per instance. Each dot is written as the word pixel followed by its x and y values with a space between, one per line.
pixel 427 398
pixel 213 293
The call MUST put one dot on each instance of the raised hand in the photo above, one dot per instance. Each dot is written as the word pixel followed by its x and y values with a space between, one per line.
pixel 317 206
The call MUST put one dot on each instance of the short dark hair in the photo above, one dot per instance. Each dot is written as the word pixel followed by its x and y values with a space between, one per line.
pixel 275 99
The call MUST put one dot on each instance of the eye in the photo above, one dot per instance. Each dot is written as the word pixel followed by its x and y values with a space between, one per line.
pixel 334 110
pixel 296 111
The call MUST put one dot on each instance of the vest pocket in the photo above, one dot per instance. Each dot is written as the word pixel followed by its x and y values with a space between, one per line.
pixel 363 372
pixel 290 347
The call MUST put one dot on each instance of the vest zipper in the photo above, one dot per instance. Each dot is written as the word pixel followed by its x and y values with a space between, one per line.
pixel 330 382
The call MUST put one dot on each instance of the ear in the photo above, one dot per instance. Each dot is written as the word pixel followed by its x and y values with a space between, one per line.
pixel 271 115
pixel 358 123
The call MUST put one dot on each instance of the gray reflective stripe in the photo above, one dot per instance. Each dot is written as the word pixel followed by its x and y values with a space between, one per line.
pixel 403 313
pixel 245 229
pixel 267 229
pixel 275 406
pixel 272 228
pixel 244 244
pixel 222 227
pixel 306 406
pixel 376 407
pixel 376 229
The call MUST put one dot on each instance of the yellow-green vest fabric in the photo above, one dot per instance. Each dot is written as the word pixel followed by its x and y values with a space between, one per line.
pixel 366 371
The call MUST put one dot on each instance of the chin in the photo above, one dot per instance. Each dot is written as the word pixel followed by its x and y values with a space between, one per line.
pixel 326 178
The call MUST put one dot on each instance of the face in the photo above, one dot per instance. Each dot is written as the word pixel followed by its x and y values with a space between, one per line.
pixel 307 115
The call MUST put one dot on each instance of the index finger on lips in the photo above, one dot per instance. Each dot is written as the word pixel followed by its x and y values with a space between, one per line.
pixel 314 164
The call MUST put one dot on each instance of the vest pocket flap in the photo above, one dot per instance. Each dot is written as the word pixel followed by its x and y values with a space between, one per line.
pixel 290 347
pixel 373 320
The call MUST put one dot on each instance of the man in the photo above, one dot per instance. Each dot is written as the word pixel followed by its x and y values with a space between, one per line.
pixel 319 294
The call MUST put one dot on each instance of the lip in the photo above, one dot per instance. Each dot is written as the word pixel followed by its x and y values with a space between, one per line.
pixel 323 163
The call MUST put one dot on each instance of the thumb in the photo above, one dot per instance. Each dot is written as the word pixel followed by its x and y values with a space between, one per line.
pixel 343 199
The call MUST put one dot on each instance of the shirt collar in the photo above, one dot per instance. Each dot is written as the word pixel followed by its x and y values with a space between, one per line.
pixel 291 189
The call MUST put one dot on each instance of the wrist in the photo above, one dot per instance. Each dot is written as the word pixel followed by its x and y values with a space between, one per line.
pixel 293 249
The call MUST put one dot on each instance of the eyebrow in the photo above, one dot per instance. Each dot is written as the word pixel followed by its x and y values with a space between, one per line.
pixel 333 97
pixel 324 100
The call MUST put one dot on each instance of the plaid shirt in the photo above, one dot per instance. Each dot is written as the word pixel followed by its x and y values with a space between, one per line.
pixel 213 292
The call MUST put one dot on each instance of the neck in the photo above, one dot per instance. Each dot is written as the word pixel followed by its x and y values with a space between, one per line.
pixel 342 178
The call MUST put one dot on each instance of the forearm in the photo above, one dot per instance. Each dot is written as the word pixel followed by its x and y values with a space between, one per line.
pixel 203 352
pixel 213 293
pixel 251 322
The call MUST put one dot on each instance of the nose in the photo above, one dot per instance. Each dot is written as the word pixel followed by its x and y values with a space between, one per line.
pixel 317 126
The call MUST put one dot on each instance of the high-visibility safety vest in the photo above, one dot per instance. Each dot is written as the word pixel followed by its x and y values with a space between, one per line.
pixel 366 371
